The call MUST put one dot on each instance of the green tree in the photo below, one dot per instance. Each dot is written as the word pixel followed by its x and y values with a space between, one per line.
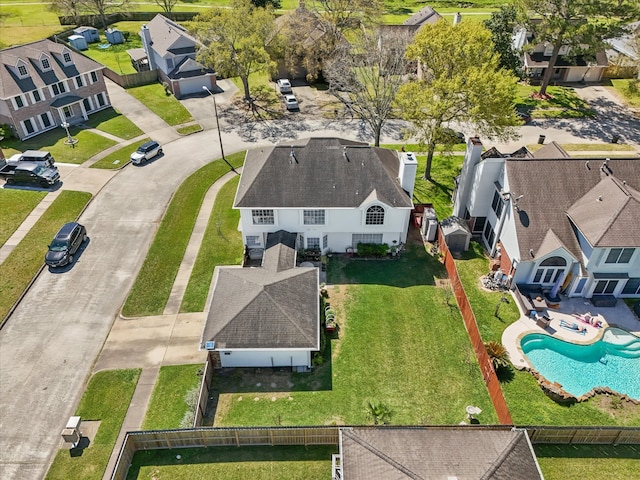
pixel 498 354
pixel 581 25
pixel 458 81
pixel 265 3
pixel 366 73
pixel 501 25
pixel 235 40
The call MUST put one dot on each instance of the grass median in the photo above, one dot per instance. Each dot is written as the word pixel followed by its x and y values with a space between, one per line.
pixel 113 122
pixel 106 399
pixel 153 285
pixel 16 206
pixel 120 157
pixel 222 245
pixel 26 259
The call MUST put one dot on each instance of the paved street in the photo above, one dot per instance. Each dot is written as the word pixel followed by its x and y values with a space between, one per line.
pixel 49 345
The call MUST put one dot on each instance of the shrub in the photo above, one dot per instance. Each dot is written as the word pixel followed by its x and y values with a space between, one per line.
pixel 499 355
pixel 372 249
pixel 379 412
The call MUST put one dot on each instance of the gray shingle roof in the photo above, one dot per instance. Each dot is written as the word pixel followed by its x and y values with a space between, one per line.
pixel 556 187
pixel 261 308
pixel 426 15
pixel 165 33
pixel 320 173
pixel 12 85
pixel 280 251
pixel 437 453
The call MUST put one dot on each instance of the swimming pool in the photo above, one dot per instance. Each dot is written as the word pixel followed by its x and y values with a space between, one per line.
pixel 613 361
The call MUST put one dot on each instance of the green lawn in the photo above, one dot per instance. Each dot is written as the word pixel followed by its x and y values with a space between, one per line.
pixel 527 403
pixel 624 88
pixel 154 282
pixel 439 189
pixel 399 343
pixel 222 245
pixel 89 144
pixel 113 122
pixel 26 259
pixel 165 106
pixel 588 462
pixel 189 129
pixel 564 103
pixel 168 406
pixel 116 57
pixel 120 157
pixel 16 206
pixel 234 463
pixel 107 399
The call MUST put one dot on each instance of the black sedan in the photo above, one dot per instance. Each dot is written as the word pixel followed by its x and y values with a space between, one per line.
pixel 65 245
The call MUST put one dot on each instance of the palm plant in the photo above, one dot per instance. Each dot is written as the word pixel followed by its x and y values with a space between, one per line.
pixel 498 354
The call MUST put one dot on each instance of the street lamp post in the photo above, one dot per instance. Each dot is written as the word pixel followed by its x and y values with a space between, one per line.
pixel 215 109
pixel 70 140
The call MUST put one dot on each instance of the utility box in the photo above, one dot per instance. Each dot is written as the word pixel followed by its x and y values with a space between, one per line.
pixel 71 433
pixel 429 226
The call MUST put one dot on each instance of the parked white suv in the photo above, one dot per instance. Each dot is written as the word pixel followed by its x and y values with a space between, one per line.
pixel 145 152
pixel 284 86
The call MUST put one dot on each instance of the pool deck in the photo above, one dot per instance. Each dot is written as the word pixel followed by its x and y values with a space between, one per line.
pixel 618 316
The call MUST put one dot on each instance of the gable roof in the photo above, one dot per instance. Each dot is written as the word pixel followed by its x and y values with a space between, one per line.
pixel 426 15
pixel 31 53
pixel 187 68
pixel 556 190
pixel 437 452
pixel 320 173
pixel 264 308
pixel 167 34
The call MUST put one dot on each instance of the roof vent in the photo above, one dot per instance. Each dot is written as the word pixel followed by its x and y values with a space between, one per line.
pixel 531 253
pixel 344 153
pixel 586 165
pixel 600 198
pixel 292 156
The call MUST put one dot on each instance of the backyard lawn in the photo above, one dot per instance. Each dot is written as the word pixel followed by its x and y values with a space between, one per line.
pixel 116 57
pixel 106 399
pixel 234 463
pixel 628 89
pixel 527 403
pixel 401 343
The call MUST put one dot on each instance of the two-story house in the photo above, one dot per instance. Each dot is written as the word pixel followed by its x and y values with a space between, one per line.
pixel 333 193
pixel 568 66
pixel 44 84
pixel 559 223
pixel 171 50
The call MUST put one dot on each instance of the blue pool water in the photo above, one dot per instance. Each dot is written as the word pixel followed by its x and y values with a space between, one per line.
pixel 613 361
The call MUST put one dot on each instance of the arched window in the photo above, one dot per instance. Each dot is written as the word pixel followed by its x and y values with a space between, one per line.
pixel 375 215
pixel 553 262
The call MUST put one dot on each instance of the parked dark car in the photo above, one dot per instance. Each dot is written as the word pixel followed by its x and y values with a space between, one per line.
pixel 65 245
pixel 525 117
pixel 16 173
pixel 449 135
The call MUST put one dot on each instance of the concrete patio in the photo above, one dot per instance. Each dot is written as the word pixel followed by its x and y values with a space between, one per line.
pixel 568 311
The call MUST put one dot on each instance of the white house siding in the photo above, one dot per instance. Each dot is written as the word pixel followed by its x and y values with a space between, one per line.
pixel 480 196
pixel 265 358
pixel 597 265
pixel 340 224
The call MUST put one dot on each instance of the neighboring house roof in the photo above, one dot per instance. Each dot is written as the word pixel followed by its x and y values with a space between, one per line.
pixel 454 224
pixel 557 186
pixel 166 33
pixel 540 60
pixel 624 43
pixel 12 85
pixel 276 306
pixel 320 173
pixel 437 452
pixel 426 15
pixel 300 20
pixel 137 54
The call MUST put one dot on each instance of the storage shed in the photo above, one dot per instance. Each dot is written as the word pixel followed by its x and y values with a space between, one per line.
pixel 456 234
pixel 90 34
pixel 114 36
pixel 78 42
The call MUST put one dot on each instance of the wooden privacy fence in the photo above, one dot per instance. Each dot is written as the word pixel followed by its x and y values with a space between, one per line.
pixel 203 395
pixel 131 79
pixel 329 435
pixel 219 437
pixel 96 21
pixel 486 367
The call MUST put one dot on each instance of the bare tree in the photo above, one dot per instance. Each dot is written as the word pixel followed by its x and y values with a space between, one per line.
pixel 102 7
pixel 68 7
pixel 366 74
pixel 166 5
